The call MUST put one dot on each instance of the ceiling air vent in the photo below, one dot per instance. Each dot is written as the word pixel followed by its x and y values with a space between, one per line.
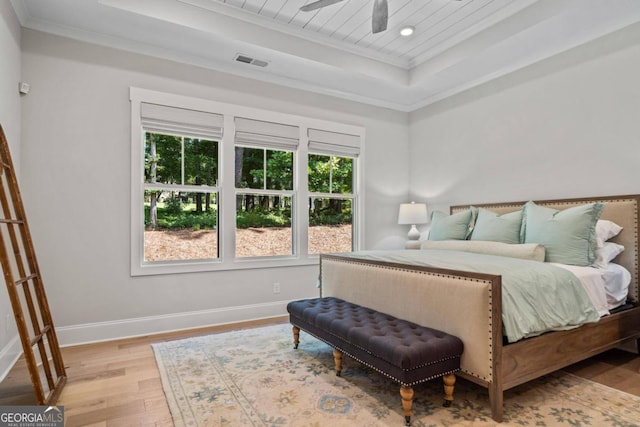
pixel 248 60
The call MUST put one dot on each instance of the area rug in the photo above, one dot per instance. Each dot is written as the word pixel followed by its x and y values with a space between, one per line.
pixel 254 377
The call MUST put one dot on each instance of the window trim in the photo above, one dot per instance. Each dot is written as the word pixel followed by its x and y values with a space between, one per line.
pixel 226 189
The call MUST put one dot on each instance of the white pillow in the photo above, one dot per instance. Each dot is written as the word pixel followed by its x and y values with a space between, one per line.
pixel 530 251
pixel 606 230
pixel 607 253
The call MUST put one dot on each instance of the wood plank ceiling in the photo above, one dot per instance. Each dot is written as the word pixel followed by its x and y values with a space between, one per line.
pixel 439 24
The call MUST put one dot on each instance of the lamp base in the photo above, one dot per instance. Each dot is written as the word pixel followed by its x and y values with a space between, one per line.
pixel 413 234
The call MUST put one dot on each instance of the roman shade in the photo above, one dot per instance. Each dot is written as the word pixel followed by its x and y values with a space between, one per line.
pixel 181 121
pixel 333 143
pixel 262 134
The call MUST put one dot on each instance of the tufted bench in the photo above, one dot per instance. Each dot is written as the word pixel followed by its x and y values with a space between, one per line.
pixel 404 351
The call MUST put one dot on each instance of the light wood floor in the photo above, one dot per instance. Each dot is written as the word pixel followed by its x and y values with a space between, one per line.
pixel 117 383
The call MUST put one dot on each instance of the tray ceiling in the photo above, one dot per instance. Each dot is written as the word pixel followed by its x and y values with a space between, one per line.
pixel 457 44
pixel 439 24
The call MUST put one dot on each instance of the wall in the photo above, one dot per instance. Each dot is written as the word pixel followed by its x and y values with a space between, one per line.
pixel 76 158
pixel 562 128
pixel 10 120
pixel 565 127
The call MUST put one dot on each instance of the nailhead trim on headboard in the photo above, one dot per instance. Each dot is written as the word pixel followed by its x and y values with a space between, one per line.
pixel 634 288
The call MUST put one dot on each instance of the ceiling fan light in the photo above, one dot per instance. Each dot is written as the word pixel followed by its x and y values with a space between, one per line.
pixel 407 31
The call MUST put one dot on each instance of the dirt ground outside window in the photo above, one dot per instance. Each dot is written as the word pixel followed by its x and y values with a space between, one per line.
pixel 267 241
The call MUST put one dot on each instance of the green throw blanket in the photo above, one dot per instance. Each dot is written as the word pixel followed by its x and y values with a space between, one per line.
pixel 536 296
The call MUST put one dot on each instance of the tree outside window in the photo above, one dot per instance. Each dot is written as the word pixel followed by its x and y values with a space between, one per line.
pixel 263 216
pixel 330 203
pixel 180 198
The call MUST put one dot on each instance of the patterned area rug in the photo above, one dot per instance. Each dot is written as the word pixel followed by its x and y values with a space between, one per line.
pixel 254 378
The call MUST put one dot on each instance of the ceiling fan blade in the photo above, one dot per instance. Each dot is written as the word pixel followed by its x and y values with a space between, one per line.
pixel 379 16
pixel 318 4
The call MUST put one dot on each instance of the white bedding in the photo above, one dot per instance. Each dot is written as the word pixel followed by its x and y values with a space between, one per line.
pixel 616 281
pixel 607 288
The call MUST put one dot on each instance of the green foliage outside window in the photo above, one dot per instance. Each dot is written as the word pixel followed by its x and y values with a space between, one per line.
pixel 251 169
pixel 180 160
pixel 191 161
pixel 330 175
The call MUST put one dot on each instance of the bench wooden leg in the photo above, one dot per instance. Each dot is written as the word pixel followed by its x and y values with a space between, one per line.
pixel 449 383
pixel 337 358
pixel 407 401
pixel 296 337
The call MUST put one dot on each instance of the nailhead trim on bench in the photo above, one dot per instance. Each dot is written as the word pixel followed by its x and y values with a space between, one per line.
pixel 355 330
pixel 382 372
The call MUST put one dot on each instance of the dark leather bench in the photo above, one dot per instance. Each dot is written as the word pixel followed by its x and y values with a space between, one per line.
pixel 404 351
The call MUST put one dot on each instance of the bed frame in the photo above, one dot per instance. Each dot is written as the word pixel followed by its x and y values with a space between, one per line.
pixel 468 305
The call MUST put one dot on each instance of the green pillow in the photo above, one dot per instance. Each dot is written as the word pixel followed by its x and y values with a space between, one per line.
pixel 451 227
pixel 569 236
pixel 492 227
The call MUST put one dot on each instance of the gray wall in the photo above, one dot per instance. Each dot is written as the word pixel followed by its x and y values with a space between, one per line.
pixel 11 123
pixel 566 127
pixel 76 158
pixel 562 128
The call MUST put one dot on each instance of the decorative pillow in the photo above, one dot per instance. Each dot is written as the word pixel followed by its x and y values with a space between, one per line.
pixel 530 251
pixel 606 230
pixel 451 227
pixel 568 236
pixel 497 228
pixel 607 253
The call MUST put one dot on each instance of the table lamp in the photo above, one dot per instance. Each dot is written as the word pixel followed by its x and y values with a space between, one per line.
pixel 413 213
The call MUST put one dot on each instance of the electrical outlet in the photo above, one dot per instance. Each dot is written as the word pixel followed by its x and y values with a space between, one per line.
pixel 276 288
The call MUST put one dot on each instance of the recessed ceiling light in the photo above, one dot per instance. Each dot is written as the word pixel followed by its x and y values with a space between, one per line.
pixel 407 31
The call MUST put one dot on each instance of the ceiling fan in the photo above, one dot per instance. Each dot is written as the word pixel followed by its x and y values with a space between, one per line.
pixel 378 17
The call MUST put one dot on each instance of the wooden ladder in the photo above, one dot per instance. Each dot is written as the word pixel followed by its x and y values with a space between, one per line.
pixel 46 368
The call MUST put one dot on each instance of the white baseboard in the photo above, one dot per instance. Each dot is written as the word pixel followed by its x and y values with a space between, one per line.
pixel 9 355
pixel 140 326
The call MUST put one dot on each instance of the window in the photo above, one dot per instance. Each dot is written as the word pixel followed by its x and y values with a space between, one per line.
pixel 330 207
pixel 264 185
pixel 220 186
pixel 330 163
pixel 180 198
pixel 180 178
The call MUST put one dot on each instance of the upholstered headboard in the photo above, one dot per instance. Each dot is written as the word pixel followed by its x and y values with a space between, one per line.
pixel 623 210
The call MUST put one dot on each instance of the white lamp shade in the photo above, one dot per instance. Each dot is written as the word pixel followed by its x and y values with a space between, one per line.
pixel 413 213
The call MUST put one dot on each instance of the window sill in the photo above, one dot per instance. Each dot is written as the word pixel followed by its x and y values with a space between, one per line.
pixel 180 267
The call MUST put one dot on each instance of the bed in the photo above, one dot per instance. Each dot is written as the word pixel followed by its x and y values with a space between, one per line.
pixel 469 305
